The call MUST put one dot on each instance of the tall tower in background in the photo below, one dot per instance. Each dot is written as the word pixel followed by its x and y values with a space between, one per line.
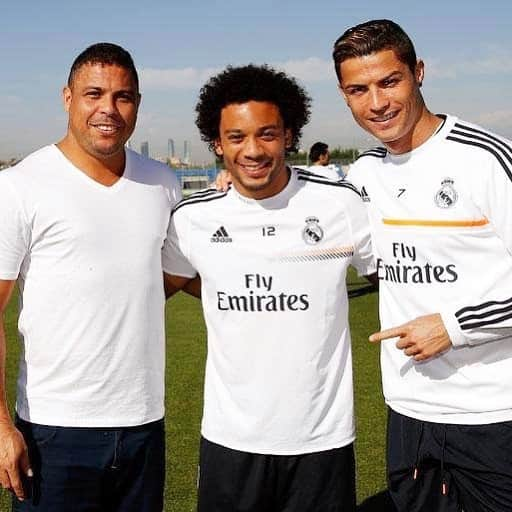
pixel 144 149
pixel 186 152
pixel 170 149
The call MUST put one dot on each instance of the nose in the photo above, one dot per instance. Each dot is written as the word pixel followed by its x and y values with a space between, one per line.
pixel 108 104
pixel 378 100
pixel 252 148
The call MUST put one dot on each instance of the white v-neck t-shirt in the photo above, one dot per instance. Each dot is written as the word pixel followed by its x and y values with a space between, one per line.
pixel 88 262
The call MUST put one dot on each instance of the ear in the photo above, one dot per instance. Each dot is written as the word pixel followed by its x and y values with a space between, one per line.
pixel 419 72
pixel 66 98
pixel 288 138
pixel 138 100
pixel 342 92
pixel 217 146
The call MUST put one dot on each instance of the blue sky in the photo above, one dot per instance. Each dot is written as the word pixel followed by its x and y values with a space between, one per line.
pixel 466 45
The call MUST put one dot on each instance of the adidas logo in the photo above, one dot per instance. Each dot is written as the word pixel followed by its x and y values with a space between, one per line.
pixel 364 195
pixel 221 235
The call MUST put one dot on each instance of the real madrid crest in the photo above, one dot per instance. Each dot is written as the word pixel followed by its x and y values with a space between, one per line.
pixel 312 233
pixel 447 196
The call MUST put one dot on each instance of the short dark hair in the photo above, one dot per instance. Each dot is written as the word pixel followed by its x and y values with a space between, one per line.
pixel 236 85
pixel 317 150
pixel 106 54
pixel 374 36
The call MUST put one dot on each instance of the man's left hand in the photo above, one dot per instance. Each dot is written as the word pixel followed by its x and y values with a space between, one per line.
pixel 421 338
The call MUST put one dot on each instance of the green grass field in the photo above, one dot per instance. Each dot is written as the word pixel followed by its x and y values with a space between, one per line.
pixel 185 370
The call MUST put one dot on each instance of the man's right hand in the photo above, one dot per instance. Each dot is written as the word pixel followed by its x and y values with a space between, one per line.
pixel 14 461
pixel 223 180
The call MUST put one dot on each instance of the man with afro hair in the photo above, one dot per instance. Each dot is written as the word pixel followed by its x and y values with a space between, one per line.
pixel 272 252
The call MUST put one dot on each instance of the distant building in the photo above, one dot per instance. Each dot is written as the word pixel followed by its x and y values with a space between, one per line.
pixel 186 153
pixel 144 149
pixel 170 150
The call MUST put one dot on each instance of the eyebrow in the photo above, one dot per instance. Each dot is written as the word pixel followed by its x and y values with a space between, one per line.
pixel 392 75
pixel 97 88
pixel 387 77
pixel 261 129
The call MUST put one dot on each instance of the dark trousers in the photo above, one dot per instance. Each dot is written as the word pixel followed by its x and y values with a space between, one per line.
pixel 94 469
pixel 235 481
pixel 437 467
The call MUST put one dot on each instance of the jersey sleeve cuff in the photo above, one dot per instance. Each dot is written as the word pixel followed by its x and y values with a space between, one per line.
pixel 366 269
pixel 180 273
pixel 452 328
pixel 8 276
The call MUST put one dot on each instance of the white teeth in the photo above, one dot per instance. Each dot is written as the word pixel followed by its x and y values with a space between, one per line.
pixel 106 127
pixel 254 167
pixel 385 118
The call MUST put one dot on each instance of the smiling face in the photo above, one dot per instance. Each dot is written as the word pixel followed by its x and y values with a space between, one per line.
pixel 384 96
pixel 253 141
pixel 102 104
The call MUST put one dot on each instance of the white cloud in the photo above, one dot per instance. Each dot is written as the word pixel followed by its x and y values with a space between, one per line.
pixel 185 78
pixel 496 63
pixel 496 118
pixel 315 69
pixel 311 69
pixel 434 68
pixel 493 64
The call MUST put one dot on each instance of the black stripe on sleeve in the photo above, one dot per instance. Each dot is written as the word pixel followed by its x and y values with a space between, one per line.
pixel 499 148
pixel 488 135
pixel 487 148
pixel 492 141
pixel 375 152
pixel 483 323
pixel 201 193
pixel 340 183
pixel 485 314
pixel 483 306
pixel 479 316
pixel 204 199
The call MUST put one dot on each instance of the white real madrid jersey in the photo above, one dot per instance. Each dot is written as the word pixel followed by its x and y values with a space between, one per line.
pixel 441 220
pixel 278 373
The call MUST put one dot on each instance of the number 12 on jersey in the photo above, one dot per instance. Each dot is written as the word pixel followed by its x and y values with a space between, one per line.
pixel 268 231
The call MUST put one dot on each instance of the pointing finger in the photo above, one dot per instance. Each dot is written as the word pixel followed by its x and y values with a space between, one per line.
pixel 386 334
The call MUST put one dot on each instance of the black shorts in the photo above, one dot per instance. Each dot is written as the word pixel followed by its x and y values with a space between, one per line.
pixel 438 467
pixel 235 481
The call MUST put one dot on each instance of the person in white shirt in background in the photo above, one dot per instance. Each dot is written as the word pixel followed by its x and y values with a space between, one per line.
pixel 319 159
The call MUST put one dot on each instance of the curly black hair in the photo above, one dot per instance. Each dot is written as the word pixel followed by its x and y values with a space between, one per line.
pixel 252 83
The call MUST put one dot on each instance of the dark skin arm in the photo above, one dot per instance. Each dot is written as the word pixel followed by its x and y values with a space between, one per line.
pixel 14 461
pixel 373 279
pixel 193 287
pixel 173 284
